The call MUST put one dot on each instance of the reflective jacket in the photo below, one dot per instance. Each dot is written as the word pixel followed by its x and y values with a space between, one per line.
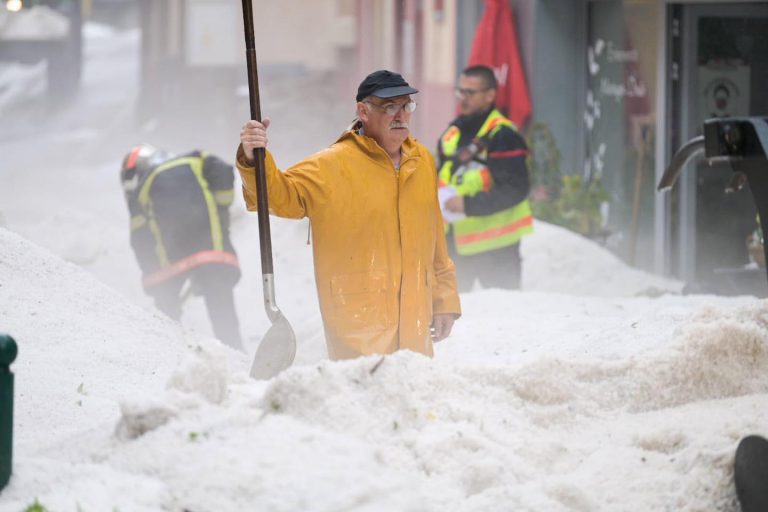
pixel 180 217
pixel 381 263
pixel 489 171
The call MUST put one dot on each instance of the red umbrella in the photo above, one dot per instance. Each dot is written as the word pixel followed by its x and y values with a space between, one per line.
pixel 495 46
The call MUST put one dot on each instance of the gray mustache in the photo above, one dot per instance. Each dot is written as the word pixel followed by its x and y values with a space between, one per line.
pixel 398 125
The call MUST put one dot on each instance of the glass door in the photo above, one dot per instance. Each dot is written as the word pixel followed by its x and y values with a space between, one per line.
pixel 724 73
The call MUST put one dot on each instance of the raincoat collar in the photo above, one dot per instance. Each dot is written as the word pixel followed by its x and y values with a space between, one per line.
pixel 370 148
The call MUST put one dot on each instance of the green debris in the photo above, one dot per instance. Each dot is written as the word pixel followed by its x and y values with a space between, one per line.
pixel 36 507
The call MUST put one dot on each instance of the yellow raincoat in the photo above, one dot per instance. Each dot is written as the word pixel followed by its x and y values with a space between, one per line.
pixel 381 264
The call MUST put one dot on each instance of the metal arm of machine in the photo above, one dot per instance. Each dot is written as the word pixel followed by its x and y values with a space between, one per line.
pixel 742 142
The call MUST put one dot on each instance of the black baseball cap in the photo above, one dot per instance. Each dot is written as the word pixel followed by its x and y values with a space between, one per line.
pixel 384 84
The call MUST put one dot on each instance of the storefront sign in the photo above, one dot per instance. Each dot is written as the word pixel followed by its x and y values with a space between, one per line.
pixel 632 87
pixel 601 56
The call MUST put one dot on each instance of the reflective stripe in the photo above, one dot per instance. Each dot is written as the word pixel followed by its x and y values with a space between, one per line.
pixel 494 232
pixel 185 264
pixel 492 122
pixel 475 235
pixel 452 131
pixel 224 197
pixel 485 176
pixel 508 154
pixel 138 222
pixel 473 180
pixel 444 176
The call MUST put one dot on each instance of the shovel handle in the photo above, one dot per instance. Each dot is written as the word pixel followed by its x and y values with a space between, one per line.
pixel 265 236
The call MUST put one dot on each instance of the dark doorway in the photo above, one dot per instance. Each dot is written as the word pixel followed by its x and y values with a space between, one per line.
pixel 724 64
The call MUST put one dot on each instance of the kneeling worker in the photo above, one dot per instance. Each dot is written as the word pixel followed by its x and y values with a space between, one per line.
pixel 179 207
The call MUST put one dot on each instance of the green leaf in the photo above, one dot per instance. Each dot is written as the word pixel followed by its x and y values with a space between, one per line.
pixel 36 507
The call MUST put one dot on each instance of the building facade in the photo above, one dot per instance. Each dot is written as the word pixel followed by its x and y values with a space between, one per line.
pixel 619 85
pixel 193 54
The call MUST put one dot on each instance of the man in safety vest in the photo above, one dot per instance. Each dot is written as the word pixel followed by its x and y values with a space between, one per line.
pixel 179 209
pixel 384 278
pixel 484 187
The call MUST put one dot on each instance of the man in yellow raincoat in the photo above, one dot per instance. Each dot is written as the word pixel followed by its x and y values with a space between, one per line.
pixel 384 278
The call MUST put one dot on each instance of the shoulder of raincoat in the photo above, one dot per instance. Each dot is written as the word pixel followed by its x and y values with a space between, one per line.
pixel 381 264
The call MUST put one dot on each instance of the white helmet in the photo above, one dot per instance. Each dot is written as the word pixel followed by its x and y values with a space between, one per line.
pixel 137 164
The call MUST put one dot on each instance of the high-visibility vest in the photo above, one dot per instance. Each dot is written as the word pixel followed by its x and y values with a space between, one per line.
pixel 474 235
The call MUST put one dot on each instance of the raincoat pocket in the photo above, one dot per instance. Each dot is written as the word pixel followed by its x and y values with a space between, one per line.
pixel 359 302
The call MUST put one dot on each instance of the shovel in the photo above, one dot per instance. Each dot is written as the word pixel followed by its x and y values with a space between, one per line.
pixel 278 346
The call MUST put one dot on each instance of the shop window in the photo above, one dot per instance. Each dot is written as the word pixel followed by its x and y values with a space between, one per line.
pixel 619 121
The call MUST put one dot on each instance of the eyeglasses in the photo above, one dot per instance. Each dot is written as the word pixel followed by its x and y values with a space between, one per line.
pixel 460 93
pixel 392 109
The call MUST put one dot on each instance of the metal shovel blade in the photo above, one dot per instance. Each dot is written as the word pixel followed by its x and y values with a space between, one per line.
pixel 276 350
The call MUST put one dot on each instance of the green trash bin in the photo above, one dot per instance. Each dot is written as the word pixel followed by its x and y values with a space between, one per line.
pixel 8 351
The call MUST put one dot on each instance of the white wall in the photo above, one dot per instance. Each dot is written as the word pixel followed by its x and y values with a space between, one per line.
pixel 290 33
